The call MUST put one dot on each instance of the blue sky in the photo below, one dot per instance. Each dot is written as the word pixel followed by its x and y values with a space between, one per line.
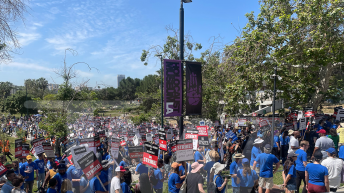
pixel 111 34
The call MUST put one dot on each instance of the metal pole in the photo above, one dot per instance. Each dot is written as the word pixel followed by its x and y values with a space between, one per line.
pixel 27 110
pixel 273 109
pixel 162 95
pixel 181 57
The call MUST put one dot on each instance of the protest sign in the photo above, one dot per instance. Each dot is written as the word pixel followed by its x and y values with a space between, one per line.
pixel 131 136
pixel 162 140
pixel 174 146
pixel 64 140
pixel 79 152
pixel 192 134
pixel 102 134
pixel 136 152
pixel 231 135
pixel 69 156
pixel 149 137
pixel 202 131
pixel 18 148
pixel 169 134
pixel 242 122
pixel 92 142
pixel 3 170
pixel 184 151
pixel 203 141
pixel 25 150
pixel 263 123
pixel 123 142
pixel 136 140
pixel 150 154
pixel 37 142
pixel 303 124
pixel 115 147
pixel 340 115
pixel 143 137
pixel 48 150
pixel 90 165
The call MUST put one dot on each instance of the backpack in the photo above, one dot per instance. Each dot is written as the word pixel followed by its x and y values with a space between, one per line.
pixel 152 179
pixel 212 187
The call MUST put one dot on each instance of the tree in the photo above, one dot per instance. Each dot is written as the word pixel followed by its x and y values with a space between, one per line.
pixel 10 12
pixel 5 89
pixel 17 103
pixel 127 88
pixel 36 87
pixel 304 39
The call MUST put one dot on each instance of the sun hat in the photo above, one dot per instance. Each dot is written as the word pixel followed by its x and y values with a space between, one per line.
pixel 175 165
pixel 217 167
pixel 214 155
pixel 292 154
pixel 28 157
pixel 195 167
pixel 331 150
pixel 120 169
pixel 238 155
pixel 245 161
pixel 258 141
pixel 290 132
pixel 322 131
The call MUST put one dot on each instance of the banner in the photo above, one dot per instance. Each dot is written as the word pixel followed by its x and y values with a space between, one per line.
pixel 90 165
pixel 48 150
pixel 231 135
pixel 193 88
pixel 102 134
pixel 64 140
pixel 79 152
pixel 340 115
pixel 162 140
pixel 18 148
pixel 173 88
pixel 203 141
pixel 184 150
pixel 150 155
pixel 25 150
pixel 136 152
pixel 131 136
pixel 115 147
pixel 192 134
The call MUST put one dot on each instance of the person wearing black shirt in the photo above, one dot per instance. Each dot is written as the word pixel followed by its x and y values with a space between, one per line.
pixel 194 180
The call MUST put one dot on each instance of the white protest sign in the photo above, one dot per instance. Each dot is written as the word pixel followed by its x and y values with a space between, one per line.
pixel 340 114
pixel 149 137
pixel 136 140
pixel 39 149
pixel 303 124
pixel 79 152
pixel 169 134
pixel 184 150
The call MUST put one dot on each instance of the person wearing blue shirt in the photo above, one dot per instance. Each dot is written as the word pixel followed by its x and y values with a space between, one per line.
pixel 301 163
pixel 40 172
pixel 247 176
pixel 341 152
pixel 7 187
pixel 84 185
pixel 213 156
pixel 49 162
pixel 317 175
pixel 220 183
pixel 182 171
pixel 123 163
pixel 234 168
pixel 58 157
pixel 158 175
pixel 255 152
pixel 276 146
pixel 284 142
pixel 52 186
pixel 141 168
pixel 74 175
pixel 60 176
pixel 266 161
pixel 104 176
pixel 125 184
pixel 28 168
pixel 198 156
pixel 174 182
pixel 289 172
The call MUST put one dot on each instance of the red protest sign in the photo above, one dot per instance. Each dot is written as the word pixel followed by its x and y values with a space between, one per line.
pixel 263 123
pixel 90 165
pixel 150 155
pixel 3 169
pixel 135 152
pixel 37 142
pixel 25 150
pixel 202 131
pixel 162 140
pixel 18 148
pixel 123 142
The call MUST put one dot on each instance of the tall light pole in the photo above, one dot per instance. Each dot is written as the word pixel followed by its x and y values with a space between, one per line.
pixel 273 108
pixel 181 58
pixel 162 93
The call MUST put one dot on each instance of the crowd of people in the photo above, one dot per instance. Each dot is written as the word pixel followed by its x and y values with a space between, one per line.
pixel 249 160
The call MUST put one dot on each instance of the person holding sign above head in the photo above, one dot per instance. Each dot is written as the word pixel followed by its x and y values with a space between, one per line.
pixel 174 182
pixel 28 168
pixel 116 181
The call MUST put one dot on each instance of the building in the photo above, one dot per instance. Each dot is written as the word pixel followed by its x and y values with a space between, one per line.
pixel 53 86
pixel 120 77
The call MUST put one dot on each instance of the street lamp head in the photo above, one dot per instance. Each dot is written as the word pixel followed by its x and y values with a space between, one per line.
pixel 187 1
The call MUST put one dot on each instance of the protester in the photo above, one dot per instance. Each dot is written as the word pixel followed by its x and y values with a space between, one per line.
pixel 294 142
pixel 141 168
pixel 159 177
pixel 334 167
pixel 335 137
pixel 317 175
pixel 174 181
pixel 266 161
pixel 289 173
pixel 194 181
pixel 198 155
pixel 234 168
pixel 144 185
pixel 284 142
pixel 66 186
pixel 255 152
pixel 116 181
pixel 28 168
pixel 7 187
pixel 52 186
pixel 60 176
pixel 125 185
pixel 213 156
pixel 323 143
pixel 301 164
pixel 246 177
pixel 40 172
pixel 218 179
pixel 17 182
pixel 84 185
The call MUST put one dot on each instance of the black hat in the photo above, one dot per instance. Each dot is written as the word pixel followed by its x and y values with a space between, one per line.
pixel 318 155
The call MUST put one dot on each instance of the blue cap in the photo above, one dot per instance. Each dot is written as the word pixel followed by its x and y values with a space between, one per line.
pixel 62 166
pixel 268 147
pixel 245 161
pixel 260 135
pixel 331 150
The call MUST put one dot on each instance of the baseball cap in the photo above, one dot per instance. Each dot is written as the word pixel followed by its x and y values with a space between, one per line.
pixel 62 166
pixel 175 165
pixel 331 150
pixel 28 157
pixel 267 147
pixel 322 131
pixel 292 154
pixel 318 154
pixel 120 169
pixel 245 161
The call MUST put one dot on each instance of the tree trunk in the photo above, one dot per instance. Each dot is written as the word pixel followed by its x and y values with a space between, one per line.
pixel 324 80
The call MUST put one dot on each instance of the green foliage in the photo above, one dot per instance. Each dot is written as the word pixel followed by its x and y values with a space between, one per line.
pixel 36 87
pixel 55 124
pixel 127 88
pixel 303 39
pixel 5 89
pixel 16 104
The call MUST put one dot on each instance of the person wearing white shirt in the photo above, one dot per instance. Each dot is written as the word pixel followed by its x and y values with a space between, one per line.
pixel 116 181
pixel 294 142
pixel 334 166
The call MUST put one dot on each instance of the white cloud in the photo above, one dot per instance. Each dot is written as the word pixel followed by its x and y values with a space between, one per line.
pixel 84 74
pixel 27 38
pixel 29 66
